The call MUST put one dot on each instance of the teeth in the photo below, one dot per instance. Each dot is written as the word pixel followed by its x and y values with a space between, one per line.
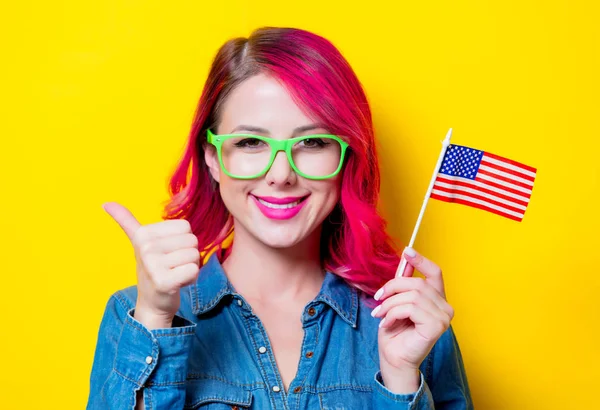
pixel 278 206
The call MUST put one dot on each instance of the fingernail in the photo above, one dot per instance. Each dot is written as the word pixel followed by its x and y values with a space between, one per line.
pixel 381 323
pixel 410 252
pixel 378 294
pixel 377 309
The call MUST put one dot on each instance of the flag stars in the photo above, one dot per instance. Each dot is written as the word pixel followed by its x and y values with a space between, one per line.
pixel 461 161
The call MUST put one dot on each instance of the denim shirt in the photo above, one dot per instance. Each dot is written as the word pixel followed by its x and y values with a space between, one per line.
pixel 217 356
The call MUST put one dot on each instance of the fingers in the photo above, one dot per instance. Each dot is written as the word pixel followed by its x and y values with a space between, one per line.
pixel 430 302
pixel 169 227
pixel 183 275
pixel 170 244
pixel 171 262
pixel 181 257
pixel 430 270
pixel 416 299
pixel 167 259
pixel 410 311
pixel 403 284
pixel 420 286
pixel 124 218
pixel 404 268
pixel 171 280
pixel 425 323
pixel 140 234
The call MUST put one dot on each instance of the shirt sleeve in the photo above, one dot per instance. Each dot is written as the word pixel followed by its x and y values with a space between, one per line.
pixel 386 399
pixel 444 385
pixel 448 382
pixel 130 357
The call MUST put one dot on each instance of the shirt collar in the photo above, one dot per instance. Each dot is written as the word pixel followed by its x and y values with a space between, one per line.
pixel 212 285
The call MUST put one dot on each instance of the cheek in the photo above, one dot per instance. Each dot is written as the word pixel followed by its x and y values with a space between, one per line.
pixel 328 194
pixel 233 192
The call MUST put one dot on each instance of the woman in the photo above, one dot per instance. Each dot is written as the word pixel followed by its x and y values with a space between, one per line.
pixel 281 153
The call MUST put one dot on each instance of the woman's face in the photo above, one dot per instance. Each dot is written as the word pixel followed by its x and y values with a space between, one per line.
pixel 280 208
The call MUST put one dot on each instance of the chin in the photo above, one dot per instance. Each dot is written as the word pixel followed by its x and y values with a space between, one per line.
pixel 280 237
pixel 279 233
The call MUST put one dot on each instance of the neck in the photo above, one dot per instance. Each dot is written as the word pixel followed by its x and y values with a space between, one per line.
pixel 263 273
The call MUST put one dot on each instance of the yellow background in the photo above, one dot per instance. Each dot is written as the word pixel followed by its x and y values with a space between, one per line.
pixel 97 99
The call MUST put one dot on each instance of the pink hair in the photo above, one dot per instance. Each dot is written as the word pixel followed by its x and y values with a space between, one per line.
pixel 355 244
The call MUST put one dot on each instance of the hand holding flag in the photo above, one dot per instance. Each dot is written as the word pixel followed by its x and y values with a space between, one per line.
pixel 414 311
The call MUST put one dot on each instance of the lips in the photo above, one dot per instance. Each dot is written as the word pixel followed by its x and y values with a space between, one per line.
pixel 279 208
pixel 289 200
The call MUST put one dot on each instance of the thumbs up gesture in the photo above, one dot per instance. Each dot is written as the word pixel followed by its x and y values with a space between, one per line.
pixel 167 259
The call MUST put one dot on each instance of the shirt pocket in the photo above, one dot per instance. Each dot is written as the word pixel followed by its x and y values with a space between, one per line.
pixel 216 394
pixel 346 399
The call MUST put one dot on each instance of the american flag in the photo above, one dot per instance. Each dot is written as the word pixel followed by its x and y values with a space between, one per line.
pixel 486 181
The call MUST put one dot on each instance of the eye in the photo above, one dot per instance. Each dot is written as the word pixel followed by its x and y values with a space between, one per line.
pixel 249 143
pixel 314 142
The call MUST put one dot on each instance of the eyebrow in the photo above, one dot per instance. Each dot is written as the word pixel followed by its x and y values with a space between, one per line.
pixel 265 131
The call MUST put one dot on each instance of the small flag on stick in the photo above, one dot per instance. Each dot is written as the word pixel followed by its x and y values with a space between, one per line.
pixel 486 181
pixel 479 179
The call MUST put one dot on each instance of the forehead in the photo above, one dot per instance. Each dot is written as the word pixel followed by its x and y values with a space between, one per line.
pixel 261 101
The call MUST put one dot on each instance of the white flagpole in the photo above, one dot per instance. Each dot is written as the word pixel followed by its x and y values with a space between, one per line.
pixel 445 145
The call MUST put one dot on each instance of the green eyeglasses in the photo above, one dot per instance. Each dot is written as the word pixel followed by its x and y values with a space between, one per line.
pixel 249 156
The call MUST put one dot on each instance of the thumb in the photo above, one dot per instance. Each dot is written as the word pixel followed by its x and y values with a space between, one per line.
pixel 123 216
pixel 404 268
pixel 409 271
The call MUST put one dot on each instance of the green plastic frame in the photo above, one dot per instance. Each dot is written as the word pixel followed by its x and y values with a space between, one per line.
pixel 276 146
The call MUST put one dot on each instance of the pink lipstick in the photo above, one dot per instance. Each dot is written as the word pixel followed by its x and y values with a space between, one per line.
pixel 279 208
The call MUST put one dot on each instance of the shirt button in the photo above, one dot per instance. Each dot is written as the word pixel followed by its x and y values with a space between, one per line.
pixel 309 355
pixel 312 311
pixel 235 408
pixel 148 359
pixel 239 302
pixel 297 389
pixel 276 389
pixel 262 349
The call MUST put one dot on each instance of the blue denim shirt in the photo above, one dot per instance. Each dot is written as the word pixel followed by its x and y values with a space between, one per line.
pixel 218 356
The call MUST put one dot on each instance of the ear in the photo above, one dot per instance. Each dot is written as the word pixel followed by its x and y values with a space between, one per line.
pixel 212 161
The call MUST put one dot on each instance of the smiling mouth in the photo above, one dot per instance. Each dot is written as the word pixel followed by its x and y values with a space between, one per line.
pixel 287 205
pixel 278 206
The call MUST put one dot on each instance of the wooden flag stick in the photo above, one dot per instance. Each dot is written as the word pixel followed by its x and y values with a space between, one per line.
pixel 445 145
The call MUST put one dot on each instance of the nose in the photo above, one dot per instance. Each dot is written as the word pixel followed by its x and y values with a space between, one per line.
pixel 281 172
